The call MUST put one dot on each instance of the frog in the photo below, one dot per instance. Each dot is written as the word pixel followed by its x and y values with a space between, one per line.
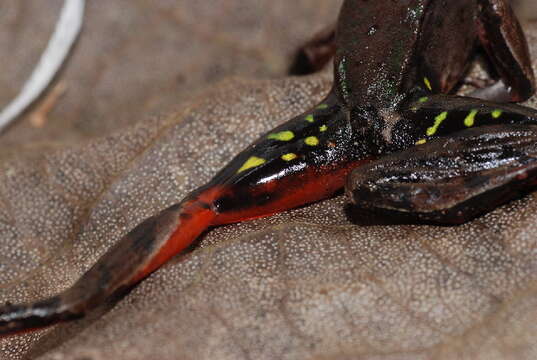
pixel 395 64
pixel 493 24
pixel 424 179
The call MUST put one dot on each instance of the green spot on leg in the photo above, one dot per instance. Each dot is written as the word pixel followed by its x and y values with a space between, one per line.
pixel 421 141
pixel 427 83
pixel 282 136
pixel 437 121
pixel 309 118
pixel 323 128
pixel 322 106
pixel 423 99
pixel 496 113
pixel 311 141
pixel 289 157
pixel 252 162
pixel 470 118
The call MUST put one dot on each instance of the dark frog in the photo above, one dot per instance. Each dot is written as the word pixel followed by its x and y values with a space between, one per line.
pixel 409 147
pixel 391 63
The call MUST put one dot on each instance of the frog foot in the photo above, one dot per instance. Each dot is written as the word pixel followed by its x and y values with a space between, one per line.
pixel 451 179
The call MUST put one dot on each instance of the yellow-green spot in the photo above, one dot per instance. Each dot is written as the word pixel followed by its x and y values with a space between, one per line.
pixel 497 113
pixel 323 128
pixel 310 118
pixel 322 106
pixel 289 157
pixel 311 141
pixel 470 118
pixel 437 121
pixel 423 99
pixel 421 142
pixel 282 135
pixel 427 83
pixel 252 162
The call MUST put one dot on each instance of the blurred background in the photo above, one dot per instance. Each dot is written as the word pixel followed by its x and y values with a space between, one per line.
pixel 135 58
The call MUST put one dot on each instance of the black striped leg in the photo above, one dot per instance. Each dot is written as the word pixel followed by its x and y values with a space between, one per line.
pixel 429 116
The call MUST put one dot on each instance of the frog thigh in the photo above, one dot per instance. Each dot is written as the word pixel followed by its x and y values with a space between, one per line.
pixel 451 179
pixel 502 37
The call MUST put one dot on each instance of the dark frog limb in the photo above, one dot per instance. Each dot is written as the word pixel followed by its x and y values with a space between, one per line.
pixel 502 37
pixel 386 49
pixel 429 116
pixel 488 23
pixel 304 160
pixel 123 265
pixel 451 179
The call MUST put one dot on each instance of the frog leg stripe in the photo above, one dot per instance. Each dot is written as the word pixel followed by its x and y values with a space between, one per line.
pixel 470 118
pixel 427 83
pixel 322 106
pixel 437 121
pixel 289 157
pixel 311 141
pixel 282 136
pixel 252 162
pixel 496 113
pixel 423 99
pixel 323 128
pixel 309 118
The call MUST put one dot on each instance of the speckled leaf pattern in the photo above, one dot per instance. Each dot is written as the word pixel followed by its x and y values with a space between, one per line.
pixel 306 284
pixel 146 56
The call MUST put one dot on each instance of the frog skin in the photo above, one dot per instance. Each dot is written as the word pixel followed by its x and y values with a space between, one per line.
pixel 488 23
pixel 385 102
pixel 409 117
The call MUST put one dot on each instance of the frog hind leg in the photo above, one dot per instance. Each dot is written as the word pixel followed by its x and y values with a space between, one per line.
pixel 450 179
pixel 230 196
pixel 426 117
pixel 135 256
pixel 502 37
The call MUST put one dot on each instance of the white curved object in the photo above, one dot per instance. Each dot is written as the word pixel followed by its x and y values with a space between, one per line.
pixel 64 36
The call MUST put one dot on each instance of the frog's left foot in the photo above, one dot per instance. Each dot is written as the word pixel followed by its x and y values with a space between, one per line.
pixel 452 179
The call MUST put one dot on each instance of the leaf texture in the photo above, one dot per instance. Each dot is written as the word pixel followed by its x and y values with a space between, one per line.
pixel 319 282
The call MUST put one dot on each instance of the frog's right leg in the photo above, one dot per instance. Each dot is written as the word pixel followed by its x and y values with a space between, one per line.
pixel 451 179
pixel 502 37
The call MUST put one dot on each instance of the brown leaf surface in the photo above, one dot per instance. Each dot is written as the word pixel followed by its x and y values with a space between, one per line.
pixel 308 283
pixel 142 56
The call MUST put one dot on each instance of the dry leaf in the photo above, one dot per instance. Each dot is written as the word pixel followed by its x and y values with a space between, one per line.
pixel 140 57
pixel 320 282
